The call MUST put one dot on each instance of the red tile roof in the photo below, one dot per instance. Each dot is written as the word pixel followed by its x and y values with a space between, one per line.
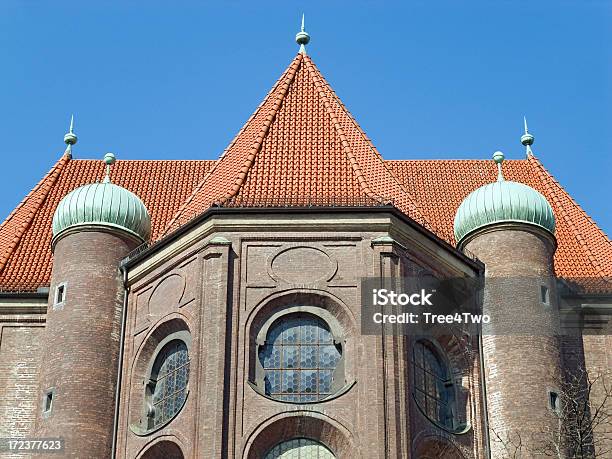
pixel 439 186
pixel 300 147
pixel 25 236
pixel 301 144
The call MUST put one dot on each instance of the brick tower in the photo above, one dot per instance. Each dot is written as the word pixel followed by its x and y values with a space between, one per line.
pixel 510 227
pixel 94 227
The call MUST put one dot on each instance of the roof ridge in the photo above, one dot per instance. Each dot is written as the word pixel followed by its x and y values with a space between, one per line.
pixel 256 147
pixel 259 107
pixel 317 77
pixel 147 160
pixel 352 118
pixel 450 160
pixel 218 161
pixel 24 200
pixel 375 150
pixel 346 148
pixel 543 174
pixel 53 174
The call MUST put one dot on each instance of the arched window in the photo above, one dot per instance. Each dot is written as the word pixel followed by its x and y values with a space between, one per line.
pixel 433 388
pixel 299 359
pixel 167 387
pixel 164 449
pixel 299 448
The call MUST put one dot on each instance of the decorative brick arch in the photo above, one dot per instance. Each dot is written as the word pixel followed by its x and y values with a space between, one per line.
pixel 307 297
pixel 164 449
pixel 459 362
pixel 435 447
pixel 301 424
pixel 173 326
pixel 336 314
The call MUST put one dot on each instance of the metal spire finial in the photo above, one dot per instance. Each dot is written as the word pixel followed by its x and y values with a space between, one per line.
pixel 70 138
pixel 302 38
pixel 498 157
pixel 109 160
pixel 527 139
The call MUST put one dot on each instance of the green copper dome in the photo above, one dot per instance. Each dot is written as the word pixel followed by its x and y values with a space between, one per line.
pixel 103 204
pixel 502 201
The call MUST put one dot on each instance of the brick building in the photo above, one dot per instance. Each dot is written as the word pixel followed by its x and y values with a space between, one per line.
pixel 208 309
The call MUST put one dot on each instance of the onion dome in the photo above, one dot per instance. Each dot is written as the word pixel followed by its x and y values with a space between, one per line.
pixel 502 201
pixel 103 204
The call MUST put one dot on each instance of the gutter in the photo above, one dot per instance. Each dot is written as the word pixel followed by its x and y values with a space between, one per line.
pixel 126 290
pixel 484 399
pixel 38 295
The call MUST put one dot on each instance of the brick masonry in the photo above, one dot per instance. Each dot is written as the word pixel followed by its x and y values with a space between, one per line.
pixel 521 366
pixel 20 346
pixel 227 290
pixel 221 288
pixel 81 344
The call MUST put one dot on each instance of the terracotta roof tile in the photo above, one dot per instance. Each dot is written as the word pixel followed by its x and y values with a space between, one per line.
pixel 438 186
pixel 300 147
pixel 25 236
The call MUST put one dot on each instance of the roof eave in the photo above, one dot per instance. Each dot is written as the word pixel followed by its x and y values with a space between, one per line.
pixel 142 254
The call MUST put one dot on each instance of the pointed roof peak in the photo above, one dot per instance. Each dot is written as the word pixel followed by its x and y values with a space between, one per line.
pixel 527 139
pixel 300 148
pixel 70 138
pixel 302 38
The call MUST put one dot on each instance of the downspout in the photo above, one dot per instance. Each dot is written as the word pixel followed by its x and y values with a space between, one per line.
pixel 484 398
pixel 120 360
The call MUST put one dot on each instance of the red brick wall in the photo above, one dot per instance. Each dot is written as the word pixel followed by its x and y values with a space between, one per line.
pixel 522 366
pixel 226 292
pixel 598 363
pixel 20 346
pixel 82 342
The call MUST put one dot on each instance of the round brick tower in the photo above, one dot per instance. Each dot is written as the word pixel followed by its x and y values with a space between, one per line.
pixel 94 227
pixel 510 228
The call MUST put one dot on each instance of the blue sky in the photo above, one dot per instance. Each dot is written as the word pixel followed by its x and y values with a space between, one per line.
pixel 446 79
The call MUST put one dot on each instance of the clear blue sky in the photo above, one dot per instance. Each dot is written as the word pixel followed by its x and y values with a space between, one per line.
pixel 445 79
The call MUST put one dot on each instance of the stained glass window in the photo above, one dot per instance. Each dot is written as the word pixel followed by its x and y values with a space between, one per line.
pixel 432 386
pixel 168 382
pixel 300 448
pixel 299 359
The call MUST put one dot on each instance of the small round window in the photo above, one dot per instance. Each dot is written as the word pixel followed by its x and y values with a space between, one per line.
pixel 167 387
pixel 299 359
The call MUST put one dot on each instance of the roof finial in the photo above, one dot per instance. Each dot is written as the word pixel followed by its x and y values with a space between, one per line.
pixel 70 138
pixel 302 38
pixel 527 139
pixel 498 157
pixel 109 160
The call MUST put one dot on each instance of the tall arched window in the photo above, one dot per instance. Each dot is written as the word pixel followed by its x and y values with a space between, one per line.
pixel 433 388
pixel 299 359
pixel 167 387
pixel 299 448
